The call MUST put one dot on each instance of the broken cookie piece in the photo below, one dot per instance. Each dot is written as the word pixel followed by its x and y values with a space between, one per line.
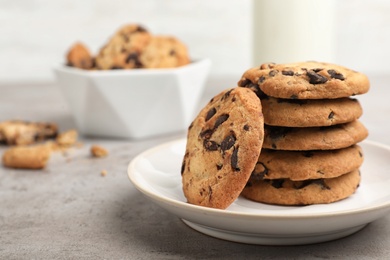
pixel 27 157
pixel 98 151
pixel 16 132
pixel 67 138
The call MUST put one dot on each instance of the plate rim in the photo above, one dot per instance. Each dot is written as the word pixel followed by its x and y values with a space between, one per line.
pixel 228 213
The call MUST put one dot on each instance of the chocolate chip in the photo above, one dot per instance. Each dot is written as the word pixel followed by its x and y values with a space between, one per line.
pixel 210 113
pixel 206 134
pixel 255 88
pixel 36 137
pixel 336 75
pixel 172 52
pixel 360 154
pixel 273 73
pixel 288 72
pixel 220 120
pixel 259 172
pixel 248 184
pixel 301 184
pixel 305 183
pixel 210 192
pixel 134 57
pixel 227 94
pixel 322 184
pixel 331 115
pixel 219 167
pixel 315 78
pixel 210 145
pixel 277 183
pixel 228 142
pixel 141 29
pixel 317 70
pixel 261 80
pixel 234 160
pixel 244 82
pixel 246 127
pixel 277 132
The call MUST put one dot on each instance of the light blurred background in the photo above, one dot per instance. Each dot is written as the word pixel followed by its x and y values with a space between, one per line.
pixel 35 34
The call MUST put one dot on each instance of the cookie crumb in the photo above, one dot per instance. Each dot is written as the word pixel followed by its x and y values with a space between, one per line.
pixel 98 151
pixel 103 173
pixel 67 138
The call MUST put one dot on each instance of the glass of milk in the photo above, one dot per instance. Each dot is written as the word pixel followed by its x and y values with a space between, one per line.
pixel 287 31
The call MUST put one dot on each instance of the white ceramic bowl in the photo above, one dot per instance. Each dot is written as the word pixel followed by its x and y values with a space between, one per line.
pixel 135 103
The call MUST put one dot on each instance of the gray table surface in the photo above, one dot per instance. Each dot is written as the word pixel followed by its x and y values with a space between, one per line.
pixel 69 211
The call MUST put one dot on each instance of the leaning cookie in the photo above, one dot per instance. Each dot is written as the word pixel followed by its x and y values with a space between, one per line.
pixel 27 157
pixel 305 80
pixel 314 138
pixel 223 146
pixel 308 113
pixel 306 192
pixel 303 165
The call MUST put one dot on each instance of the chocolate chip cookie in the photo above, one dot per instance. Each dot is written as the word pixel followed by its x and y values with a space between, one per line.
pixel 316 191
pixel 304 165
pixel 164 52
pixel 223 146
pixel 124 48
pixel 79 56
pixel 307 113
pixel 305 80
pixel 314 138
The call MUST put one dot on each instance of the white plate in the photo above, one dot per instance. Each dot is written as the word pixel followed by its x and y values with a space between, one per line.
pixel 156 173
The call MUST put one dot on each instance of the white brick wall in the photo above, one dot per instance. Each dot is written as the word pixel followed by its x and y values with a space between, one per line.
pixel 35 34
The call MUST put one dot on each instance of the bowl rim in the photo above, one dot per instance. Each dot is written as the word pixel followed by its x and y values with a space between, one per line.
pixel 194 63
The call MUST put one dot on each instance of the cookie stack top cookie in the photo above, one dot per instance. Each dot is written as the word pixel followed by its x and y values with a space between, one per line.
pixel 305 80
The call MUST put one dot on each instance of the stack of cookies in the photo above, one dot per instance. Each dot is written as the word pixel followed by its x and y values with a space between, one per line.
pixel 310 153
pixel 308 135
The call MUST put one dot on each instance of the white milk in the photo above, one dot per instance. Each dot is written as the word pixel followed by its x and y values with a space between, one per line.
pixel 293 30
